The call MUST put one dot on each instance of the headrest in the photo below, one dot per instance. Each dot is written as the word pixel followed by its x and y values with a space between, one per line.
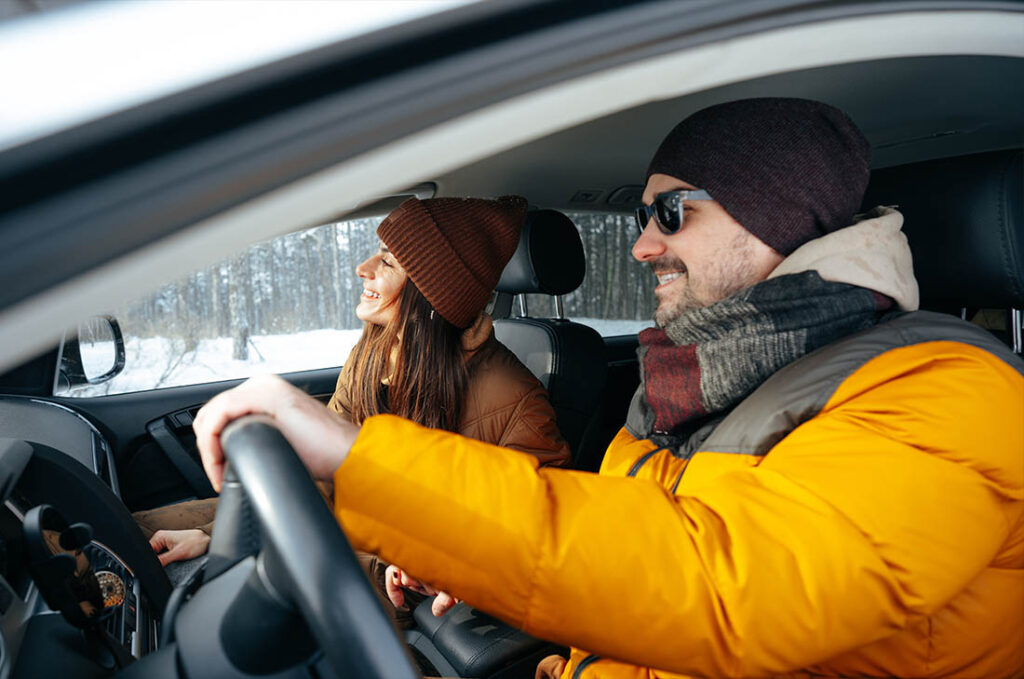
pixel 963 218
pixel 549 258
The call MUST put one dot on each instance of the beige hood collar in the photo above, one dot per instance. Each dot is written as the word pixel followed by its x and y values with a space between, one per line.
pixel 872 253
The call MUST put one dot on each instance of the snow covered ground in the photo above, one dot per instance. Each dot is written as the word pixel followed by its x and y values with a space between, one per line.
pixel 156 362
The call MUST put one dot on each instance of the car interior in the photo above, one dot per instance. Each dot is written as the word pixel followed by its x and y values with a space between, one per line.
pixel 947 133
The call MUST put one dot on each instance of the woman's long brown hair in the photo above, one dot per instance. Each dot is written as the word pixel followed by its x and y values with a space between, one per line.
pixel 428 379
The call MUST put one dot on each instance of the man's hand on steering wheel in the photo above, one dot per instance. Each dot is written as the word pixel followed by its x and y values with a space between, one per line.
pixel 320 437
pixel 303 557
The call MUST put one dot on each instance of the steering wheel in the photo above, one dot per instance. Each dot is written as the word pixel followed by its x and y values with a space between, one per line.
pixel 305 561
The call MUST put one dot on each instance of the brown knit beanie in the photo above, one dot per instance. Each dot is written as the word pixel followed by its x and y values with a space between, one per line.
pixel 788 170
pixel 454 249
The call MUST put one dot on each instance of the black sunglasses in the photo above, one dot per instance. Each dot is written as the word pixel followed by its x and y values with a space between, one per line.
pixel 667 210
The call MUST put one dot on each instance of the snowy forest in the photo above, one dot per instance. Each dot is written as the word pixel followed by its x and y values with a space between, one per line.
pixel 304 284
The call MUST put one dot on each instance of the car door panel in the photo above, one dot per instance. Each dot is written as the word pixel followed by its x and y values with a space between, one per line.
pixel 150 434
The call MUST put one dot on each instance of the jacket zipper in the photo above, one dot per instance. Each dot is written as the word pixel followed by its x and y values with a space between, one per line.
pixel 585 663
pixel 679 478
pixel 643 460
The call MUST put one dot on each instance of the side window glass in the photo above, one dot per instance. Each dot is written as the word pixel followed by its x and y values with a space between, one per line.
pixel 617 294
pixel 283 305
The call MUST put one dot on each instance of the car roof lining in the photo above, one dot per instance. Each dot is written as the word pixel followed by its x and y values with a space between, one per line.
pixel 894 101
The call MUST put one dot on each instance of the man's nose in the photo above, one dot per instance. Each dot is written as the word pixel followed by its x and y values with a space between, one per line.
pixel 650 244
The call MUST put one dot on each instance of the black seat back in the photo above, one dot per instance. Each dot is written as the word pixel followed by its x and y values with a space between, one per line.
pixel 568 358
pixel 964 219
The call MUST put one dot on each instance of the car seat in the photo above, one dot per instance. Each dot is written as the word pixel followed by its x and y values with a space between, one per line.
pixel 964 220
pixel 568 358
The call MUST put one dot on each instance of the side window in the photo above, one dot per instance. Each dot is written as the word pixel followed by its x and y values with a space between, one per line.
pixel 283 305
pixel 617 294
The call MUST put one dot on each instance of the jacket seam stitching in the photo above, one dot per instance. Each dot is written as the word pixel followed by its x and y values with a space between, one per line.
pixel 515 418
pixel 528 613
pixel 489 414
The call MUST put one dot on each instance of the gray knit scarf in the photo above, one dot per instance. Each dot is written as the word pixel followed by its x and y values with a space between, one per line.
pixel 707 360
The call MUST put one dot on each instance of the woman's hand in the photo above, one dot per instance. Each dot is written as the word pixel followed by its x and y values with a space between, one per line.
pixel 179 545
pixel 320 437
pixel 395 579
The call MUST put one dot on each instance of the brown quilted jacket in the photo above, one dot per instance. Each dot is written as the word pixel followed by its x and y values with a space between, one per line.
pixel 504 403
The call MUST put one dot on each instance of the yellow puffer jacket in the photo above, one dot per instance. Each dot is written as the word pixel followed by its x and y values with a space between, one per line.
pixel 881 534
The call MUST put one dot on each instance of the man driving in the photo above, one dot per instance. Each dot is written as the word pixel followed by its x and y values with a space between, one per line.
pixel 810 479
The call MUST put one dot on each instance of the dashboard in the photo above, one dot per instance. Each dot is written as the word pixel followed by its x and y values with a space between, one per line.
pixel 51 455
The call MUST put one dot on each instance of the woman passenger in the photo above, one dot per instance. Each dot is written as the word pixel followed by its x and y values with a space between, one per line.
pixel 427 352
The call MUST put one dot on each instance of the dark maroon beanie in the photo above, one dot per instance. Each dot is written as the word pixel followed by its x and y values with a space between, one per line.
pixel 788 170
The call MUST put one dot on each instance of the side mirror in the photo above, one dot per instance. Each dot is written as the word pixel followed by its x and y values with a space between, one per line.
pixel 93 354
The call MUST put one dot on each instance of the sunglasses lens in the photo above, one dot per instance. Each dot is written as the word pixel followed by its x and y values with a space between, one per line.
pixel 641 215
pixel 668 215
pixel 667 210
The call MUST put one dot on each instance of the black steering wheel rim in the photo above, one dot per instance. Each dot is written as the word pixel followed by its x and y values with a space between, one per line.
pixel 316 569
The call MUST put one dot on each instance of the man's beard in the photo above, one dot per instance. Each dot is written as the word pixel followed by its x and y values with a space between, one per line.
pixel 674 307
pixel 732 270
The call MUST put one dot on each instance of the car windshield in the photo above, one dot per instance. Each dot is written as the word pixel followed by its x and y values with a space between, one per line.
pixel 111 56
